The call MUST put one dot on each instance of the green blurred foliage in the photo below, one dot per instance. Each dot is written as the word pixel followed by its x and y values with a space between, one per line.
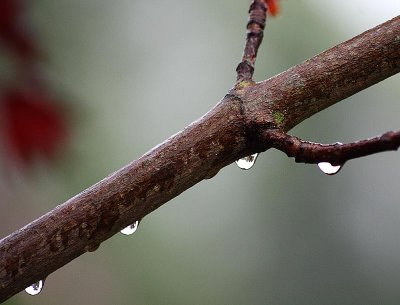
pixel 138 71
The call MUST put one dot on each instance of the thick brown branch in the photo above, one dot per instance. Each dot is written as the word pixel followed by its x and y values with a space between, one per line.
pixel 335 154
pixel 254 36
pixel 228 132
pixel 325 79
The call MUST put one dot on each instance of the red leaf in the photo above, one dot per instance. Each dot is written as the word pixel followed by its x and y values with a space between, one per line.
pixel 33 125
pixel 273 7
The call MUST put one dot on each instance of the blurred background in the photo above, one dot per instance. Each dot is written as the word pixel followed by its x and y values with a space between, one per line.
pixel 122 76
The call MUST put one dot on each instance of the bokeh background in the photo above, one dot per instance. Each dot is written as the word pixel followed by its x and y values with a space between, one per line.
pixel 135 72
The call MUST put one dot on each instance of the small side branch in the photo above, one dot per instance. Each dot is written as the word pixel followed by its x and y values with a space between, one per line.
pixel 255 33
pixel 335 154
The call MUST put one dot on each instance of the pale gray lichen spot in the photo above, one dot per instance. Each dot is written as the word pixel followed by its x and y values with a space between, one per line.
pixel 216 147
pixel 295 80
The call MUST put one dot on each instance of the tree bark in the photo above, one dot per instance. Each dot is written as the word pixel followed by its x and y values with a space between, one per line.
pixel 231 130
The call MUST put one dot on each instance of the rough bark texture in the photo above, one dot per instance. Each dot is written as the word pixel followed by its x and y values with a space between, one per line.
pixel 325 79
pixel 254 36
pixel 231 130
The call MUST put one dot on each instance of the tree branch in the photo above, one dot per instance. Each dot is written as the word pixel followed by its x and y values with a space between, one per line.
pixel 335 74
pixel 254 36
pixel 234 128
pixel 335 154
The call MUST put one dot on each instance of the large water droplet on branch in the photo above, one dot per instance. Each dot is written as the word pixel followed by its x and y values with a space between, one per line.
pixel 130 229
pixel 247 162
pixel 35 288
pixel 328 168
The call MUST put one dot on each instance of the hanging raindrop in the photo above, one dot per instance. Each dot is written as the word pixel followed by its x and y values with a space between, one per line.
pixel 35 288
pixel 328 168
pixel 247 162
pixel 131 229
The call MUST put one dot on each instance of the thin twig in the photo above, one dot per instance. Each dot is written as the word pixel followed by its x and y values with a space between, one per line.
pixel 254 36
pixel 335 154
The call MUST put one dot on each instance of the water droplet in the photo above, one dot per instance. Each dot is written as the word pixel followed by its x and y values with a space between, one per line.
pixel 328 168
pixel 247 162
pixel 35 288
pixel 130 229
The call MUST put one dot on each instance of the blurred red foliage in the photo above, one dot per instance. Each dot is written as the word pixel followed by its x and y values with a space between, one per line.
pixel 31 125
pixel 273 7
